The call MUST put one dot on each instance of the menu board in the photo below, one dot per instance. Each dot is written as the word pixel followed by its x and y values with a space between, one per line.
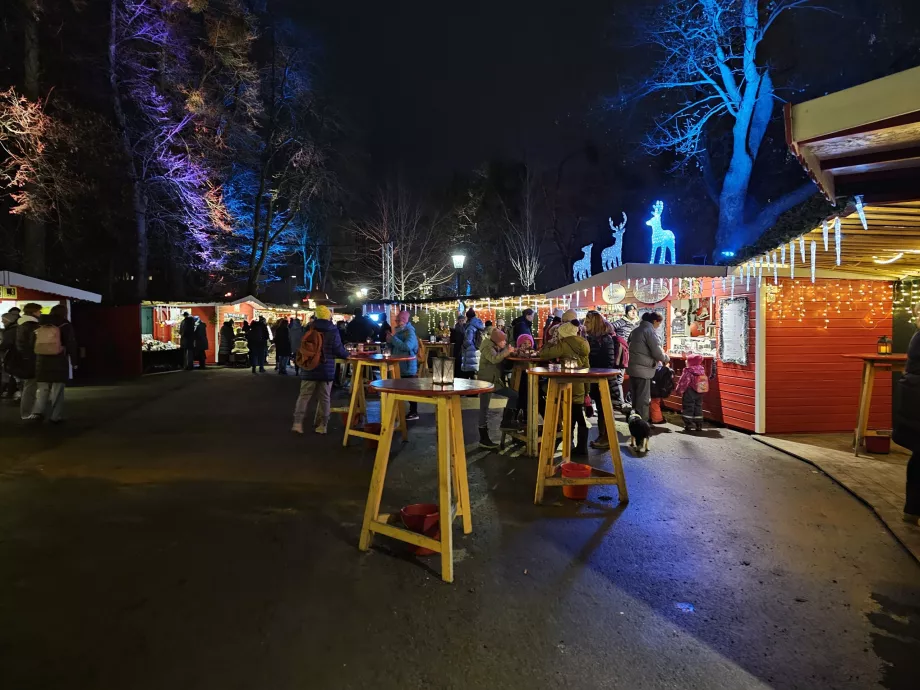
pixel 733 330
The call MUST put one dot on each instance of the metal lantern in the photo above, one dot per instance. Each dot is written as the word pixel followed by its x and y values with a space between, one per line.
pixel 442 371
pixel 884 345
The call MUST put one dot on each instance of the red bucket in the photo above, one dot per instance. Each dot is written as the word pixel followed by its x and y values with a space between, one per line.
pixel 422 518
pixel 575 470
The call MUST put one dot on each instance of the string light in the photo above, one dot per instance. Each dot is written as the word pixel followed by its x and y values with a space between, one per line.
pixel 783 254
pixel 802 247
pixel 837 237
pixel 813 248
pixel 775 270
pixel 792 260
pixel 867 303
pixel 824 232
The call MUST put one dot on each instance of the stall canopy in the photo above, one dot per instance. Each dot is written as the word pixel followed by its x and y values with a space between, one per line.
pixel 635 272
pixel 864 140
pixel 18 280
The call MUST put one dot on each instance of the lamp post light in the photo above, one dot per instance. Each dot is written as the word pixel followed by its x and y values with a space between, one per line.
pixel 458 260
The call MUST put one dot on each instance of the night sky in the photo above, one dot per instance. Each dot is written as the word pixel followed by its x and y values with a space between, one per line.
pixel 437 88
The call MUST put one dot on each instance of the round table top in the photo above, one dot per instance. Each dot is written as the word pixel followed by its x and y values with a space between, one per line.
pixel 575 373
pixel 428 343
pixel 875 357
pixel 518 358
pixel 363 357
pixel 427 389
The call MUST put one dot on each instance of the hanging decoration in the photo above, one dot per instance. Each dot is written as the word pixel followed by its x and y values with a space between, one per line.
pixel 775 270
pixel 792 260
pixel 614 293
pixel 813 249
pixel 837 238
pixel 723 283
pixel 733 284
pixel 802 247
pixel 865 304
pixel 662 239
pixel 612 256
pixel 747 276
pixel 861 211
pixel 759 271
pixel 783 255
pixel 649 293
pixel 581 269
pixel 824 232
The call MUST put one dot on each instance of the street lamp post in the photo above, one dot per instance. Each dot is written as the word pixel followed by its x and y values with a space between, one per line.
pixel 458 260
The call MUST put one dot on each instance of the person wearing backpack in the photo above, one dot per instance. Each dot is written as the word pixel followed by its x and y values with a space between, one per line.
pixel 24 366
pixel 55 347
pixel 319 347
pixel 472 341
pixel 404 342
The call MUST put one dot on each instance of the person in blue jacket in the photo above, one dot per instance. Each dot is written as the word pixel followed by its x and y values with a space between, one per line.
pixel 404 341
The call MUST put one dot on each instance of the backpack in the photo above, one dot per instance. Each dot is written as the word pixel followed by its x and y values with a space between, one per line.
pixel 48 340
pixel 310 353
pixel 700 383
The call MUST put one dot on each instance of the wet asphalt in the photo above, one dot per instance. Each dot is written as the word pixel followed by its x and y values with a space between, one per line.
pixel 181 537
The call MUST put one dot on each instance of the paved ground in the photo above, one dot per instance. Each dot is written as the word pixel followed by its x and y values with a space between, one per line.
pixel 188 540
pixel 878 480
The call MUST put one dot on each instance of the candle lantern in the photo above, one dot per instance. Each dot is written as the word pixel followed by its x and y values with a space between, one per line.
pixel 884 345
pixel 442 370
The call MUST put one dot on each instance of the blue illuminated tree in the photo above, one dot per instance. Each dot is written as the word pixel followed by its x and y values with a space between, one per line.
pixel 712 66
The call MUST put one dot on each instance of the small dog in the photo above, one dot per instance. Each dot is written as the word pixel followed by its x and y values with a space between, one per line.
pixel 639 431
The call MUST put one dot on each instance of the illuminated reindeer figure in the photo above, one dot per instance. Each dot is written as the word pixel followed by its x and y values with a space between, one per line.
pixel 661 239
pixel 612 256
pixel 581 269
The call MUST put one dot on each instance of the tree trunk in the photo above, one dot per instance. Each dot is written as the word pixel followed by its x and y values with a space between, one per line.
pixel 138 190
pixel 34 229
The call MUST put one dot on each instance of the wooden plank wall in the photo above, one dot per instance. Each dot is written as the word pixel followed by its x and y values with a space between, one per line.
pixel 809 386
pixel 731 395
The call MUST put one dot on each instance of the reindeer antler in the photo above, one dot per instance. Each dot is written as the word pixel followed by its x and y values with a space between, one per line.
pixel 658 208
pixel 619 227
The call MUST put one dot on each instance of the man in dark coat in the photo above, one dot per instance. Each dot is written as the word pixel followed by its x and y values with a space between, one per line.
pixel 227 338
pixel 522 325
pixel 25 361
pixel 282 346
pixel 8 384
pixel 53 371
pixel 318 381
pixel 201 342
pixel 187 339
pixel 907 426
pixel 360 328
pixel 257 339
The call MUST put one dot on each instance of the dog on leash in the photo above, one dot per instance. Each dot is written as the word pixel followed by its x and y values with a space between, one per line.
pixel 639 430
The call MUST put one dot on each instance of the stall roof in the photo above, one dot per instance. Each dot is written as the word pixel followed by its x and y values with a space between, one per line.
pixel 640 271
pixel 887 249
pixel 863 140
pixel 12 279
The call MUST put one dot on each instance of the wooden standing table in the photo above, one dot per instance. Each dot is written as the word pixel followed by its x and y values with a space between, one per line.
pixel 521 365
pixel 870 363
pixel 559 409
pixel 451 463
pixel 389 369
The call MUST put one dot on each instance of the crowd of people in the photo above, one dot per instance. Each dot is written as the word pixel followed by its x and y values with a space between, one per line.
pixel 37 354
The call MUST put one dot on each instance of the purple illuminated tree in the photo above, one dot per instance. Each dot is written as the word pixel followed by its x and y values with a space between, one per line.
pixel 713 69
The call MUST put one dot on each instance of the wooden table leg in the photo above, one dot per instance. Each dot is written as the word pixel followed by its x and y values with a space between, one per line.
pixel 566 422
pixel 516 378
pixel 612 437
pixel 533 414
pixel 401 412
pixel 548 443
pixel 458 449
pixel 372 509
pixel 442 415
pixel 865 403
pixel 357 400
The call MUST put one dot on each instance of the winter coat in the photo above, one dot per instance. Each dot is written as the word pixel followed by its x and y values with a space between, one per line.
pixel 227 336
pixel 470 353
pixel 8 338
pixel 201 337
pixel 282 340
pixel 575 347
pixel 56 368
pixel 490 362
pixel 332 348
pixel 405 342
pixel 662 383
pixel 603 352
pixel 258 334
pixel 690 374
pixel 25 347
pixel 385 330
pixel 907 419
pixel 359 329
pixel 520 326
pixel 624 327
pixel 295 335
pixel 644 351
pixel 187 333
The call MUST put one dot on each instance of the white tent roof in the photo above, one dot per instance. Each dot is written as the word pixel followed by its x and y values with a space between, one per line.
pixel 12 279
pixel 639 271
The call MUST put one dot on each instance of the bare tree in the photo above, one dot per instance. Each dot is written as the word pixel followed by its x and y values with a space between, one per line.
pixel 522 237
pixel 711 63
pixel 417 245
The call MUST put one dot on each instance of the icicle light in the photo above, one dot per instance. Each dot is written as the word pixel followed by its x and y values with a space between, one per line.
pixel 723 283
pixel 733 284
pixel 775 270
pixel 861 211
pixel 824 232
pixel 814 246
pixel 837 238
pixel 782 255
pixel 792 261
pixel 802 247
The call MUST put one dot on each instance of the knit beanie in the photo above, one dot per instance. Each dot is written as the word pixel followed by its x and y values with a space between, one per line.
pixel 322 312
pixel 570 315
pixel 525 339
pixel 559 313
pixel 497 336
pixel 567 330
pixel 470 314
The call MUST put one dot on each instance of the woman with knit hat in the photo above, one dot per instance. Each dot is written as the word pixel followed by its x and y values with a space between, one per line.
pixel 571 345
pixel 492 353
